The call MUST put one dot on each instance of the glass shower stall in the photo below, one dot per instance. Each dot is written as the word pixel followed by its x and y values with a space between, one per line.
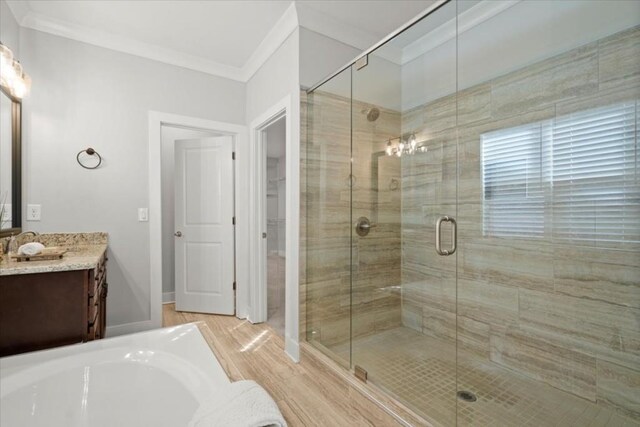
pixel 471 217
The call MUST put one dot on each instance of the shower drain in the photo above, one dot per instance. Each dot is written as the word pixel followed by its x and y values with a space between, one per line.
pixel 466 396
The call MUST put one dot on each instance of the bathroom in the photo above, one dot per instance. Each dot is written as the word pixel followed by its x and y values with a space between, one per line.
pixel 447 231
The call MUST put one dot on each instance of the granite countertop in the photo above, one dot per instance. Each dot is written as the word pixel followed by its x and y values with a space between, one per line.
pixel 84 253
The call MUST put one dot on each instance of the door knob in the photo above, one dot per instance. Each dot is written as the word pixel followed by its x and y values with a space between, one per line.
pixel 178 234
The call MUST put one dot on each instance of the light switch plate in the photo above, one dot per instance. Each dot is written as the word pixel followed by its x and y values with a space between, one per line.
pixel 143 214
pixel 34 212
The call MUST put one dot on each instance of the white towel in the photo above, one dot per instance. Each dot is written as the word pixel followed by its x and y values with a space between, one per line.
pixel 240 404
pixel 30 249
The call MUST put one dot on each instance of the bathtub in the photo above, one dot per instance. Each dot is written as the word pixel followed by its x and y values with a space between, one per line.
pixel 156 378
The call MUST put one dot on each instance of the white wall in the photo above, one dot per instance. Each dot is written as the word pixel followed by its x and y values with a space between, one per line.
pixel 278 78
pixel 169 136
pixel 378 83
pixel 320 56
pixel 9 29
pixel 84 96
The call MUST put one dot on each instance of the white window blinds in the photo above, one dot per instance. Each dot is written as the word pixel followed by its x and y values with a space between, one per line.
pixel 577 173
pixel 512 176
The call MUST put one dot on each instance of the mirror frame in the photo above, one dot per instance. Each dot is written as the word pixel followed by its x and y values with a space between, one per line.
pixel 16 165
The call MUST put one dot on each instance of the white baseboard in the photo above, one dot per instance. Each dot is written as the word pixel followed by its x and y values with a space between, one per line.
pixel 292 348
pixel 128 328
pixel 168 297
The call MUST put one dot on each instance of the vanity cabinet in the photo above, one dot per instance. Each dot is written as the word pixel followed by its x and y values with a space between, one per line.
pixel 51 309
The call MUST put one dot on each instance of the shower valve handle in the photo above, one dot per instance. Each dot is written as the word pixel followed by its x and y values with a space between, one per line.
pixel 363 226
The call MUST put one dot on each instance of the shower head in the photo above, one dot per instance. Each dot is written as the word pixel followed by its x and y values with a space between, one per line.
pixel 372 114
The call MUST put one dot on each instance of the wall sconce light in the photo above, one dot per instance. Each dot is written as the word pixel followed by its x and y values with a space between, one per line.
pixel 399 146
pixel 12 77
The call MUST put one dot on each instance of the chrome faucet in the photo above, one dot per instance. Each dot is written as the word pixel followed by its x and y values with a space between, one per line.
pixel 5 249
pixel 33 233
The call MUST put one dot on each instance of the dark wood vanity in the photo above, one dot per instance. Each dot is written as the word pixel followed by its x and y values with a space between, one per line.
pixel 51 308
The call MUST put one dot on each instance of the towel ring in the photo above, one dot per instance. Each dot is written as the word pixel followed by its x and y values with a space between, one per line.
pixel 90 151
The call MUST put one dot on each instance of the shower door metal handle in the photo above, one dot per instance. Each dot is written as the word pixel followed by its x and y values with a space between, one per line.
pixel 454 235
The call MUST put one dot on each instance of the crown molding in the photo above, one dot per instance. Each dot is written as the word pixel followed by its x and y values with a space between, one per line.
pixel 296 15
pixel 282 29
pixel 468 19
pixel 118 43
pixel 286 25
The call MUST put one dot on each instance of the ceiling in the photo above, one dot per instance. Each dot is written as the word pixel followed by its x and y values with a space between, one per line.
pixel 227 38
pixel 201 28
pixel 376 18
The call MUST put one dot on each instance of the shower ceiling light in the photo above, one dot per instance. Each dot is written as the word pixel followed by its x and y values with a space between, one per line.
pixel 12 78
pixel 404 147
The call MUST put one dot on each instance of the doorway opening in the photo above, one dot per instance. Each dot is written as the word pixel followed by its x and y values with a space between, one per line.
pixel 285 232
pixel 198 220
pixel 170 136
pixel 274 184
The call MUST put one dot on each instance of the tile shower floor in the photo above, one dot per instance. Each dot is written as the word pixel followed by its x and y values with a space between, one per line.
pixel 421 372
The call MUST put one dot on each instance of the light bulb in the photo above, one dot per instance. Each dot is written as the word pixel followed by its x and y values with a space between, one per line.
pixel 401 146
pixel 17 70
pixel 6 57
pixel 8 73
pixel 27 82
pixel 11 74
pixel 21 86
pixel 412 141
pixel 389 149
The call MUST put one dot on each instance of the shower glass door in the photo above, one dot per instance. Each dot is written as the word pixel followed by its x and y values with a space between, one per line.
pixel 327 218
pixel 404 206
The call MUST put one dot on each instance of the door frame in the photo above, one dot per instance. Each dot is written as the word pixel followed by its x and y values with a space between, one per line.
pixel 240 143
pixel 257 208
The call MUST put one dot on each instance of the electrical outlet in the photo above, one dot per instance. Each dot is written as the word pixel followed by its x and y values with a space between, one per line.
pixel 34 212
pixel 143 214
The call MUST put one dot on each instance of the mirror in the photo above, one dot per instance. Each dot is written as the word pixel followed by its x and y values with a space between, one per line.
pixel 10 164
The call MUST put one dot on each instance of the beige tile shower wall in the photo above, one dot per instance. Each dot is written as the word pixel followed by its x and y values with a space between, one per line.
pixel 567 315
pixel 326 233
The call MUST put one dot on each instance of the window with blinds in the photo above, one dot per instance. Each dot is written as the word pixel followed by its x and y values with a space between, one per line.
pixel 575 177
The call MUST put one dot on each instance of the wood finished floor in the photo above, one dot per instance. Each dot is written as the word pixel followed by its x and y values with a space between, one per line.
pixel 306 393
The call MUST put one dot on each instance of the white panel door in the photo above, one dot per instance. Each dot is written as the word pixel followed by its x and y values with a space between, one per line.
pixel 204 239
